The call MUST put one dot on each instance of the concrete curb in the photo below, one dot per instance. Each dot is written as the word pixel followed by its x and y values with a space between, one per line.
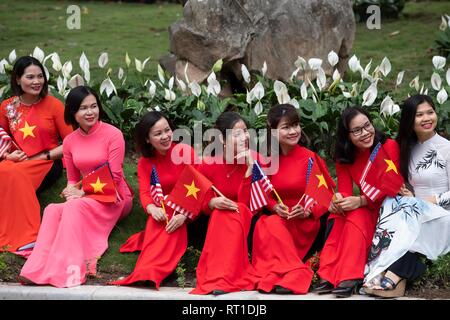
pixel 15 291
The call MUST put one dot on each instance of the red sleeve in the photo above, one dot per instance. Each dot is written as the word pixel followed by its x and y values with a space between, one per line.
pixel 116 154
pixel 58 117
pixel 3 120
pixel 144 183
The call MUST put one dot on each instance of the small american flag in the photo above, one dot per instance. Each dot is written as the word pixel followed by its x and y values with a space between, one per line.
pixel 370 191
pixel 260 186
pixel 309 201
pixel 5 142
pixel 155 187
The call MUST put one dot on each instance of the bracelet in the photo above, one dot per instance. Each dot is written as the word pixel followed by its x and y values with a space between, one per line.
pixel 48 154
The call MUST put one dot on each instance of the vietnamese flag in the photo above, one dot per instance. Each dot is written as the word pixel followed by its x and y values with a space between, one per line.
pixel 319 184
pixel 383 177
pixel 189 192
pixel 99 184
pixel 30 135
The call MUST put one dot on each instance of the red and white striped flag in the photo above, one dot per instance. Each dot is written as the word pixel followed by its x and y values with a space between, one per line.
pixel 370 191
pixel 259 188
pixel 155 187
pixel 5 142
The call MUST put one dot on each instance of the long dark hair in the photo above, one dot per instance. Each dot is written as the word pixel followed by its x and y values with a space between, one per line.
pixel 73 103
pixel 19 69
pixel 143 128
pixel 345 151
pixel 274 116
pixel 407 137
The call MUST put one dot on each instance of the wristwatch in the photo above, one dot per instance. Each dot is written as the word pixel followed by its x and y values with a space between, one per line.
pixel 48 154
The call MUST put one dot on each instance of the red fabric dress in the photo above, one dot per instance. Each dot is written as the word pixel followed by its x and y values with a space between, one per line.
pixel 280 245
pixel 347 247
pixel 224 263
pixel 19 207
pixel 160 251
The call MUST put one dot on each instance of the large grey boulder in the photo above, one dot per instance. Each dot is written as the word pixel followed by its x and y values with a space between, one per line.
pixel 254 31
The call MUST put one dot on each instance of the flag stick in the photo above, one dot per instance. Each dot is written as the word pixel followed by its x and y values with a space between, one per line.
pixel 278 197
pixel 165 212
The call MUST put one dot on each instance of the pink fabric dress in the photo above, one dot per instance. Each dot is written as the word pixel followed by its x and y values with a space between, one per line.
pixel 74 234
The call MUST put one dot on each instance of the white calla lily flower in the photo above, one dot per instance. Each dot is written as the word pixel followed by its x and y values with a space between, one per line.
pixel 281 92
pixel 304 91
pixel 415 83
pixel 294 74
pixel 258 108
pixel 12 56
pixel 385 67
pixel 354 64
pixel 388 107
pixel 264 69
pixel 336 75
pixel 138 64
pixel 76 81
pixel 120 73
pixel 315 63
pixel 447 76
pixel 300 63
pixel 38 54
pixel 436 81
pixel 108 87
pixel 258 91
pixel 213 85
pixel 400 76
pixel 181 84
pixel 67 69
pixel 152 89
pixel 370 94
pixel 439 62
pixel 195 88
pixel 294 103
pixel 170 83
pixel 161 75
pixel 333 58
pixel 169 95
pixel 56 62
pixel 321 79
pixel 127 60
pixel 444 24
pixel 442 96
pixel 245 73
pixel 3 64
pixel 103 60
pixel 249 97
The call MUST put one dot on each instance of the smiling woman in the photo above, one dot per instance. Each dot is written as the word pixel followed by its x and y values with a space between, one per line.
pixel 76 231
pixel 35 121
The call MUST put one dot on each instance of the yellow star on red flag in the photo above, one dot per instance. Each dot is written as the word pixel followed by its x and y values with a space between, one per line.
pixel 391 166
pixel 322 181
pixel 192 190
pixel 27 130
pixel 98 186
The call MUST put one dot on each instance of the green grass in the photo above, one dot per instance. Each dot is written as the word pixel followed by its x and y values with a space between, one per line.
pixel 142 31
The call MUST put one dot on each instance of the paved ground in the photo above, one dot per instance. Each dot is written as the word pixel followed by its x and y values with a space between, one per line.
pixel 14 291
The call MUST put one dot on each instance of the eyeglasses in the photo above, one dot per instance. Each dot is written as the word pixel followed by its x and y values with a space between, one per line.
pixel 359 130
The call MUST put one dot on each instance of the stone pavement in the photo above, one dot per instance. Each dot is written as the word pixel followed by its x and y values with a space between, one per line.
pixel 14 291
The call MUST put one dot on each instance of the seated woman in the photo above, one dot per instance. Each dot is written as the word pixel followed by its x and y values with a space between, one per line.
pixel 35 121
pixel 224 265
pixel 282 240
pixel 353 218
pixel 164 240
pixel 74 234
pixel 410 226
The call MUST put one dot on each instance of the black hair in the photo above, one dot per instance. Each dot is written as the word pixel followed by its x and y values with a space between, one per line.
pixel 345 150
pixel 407 137
pixel 73 103
pixel 227 121
pixel 274 116
pixel 142 130
pixel 19 69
